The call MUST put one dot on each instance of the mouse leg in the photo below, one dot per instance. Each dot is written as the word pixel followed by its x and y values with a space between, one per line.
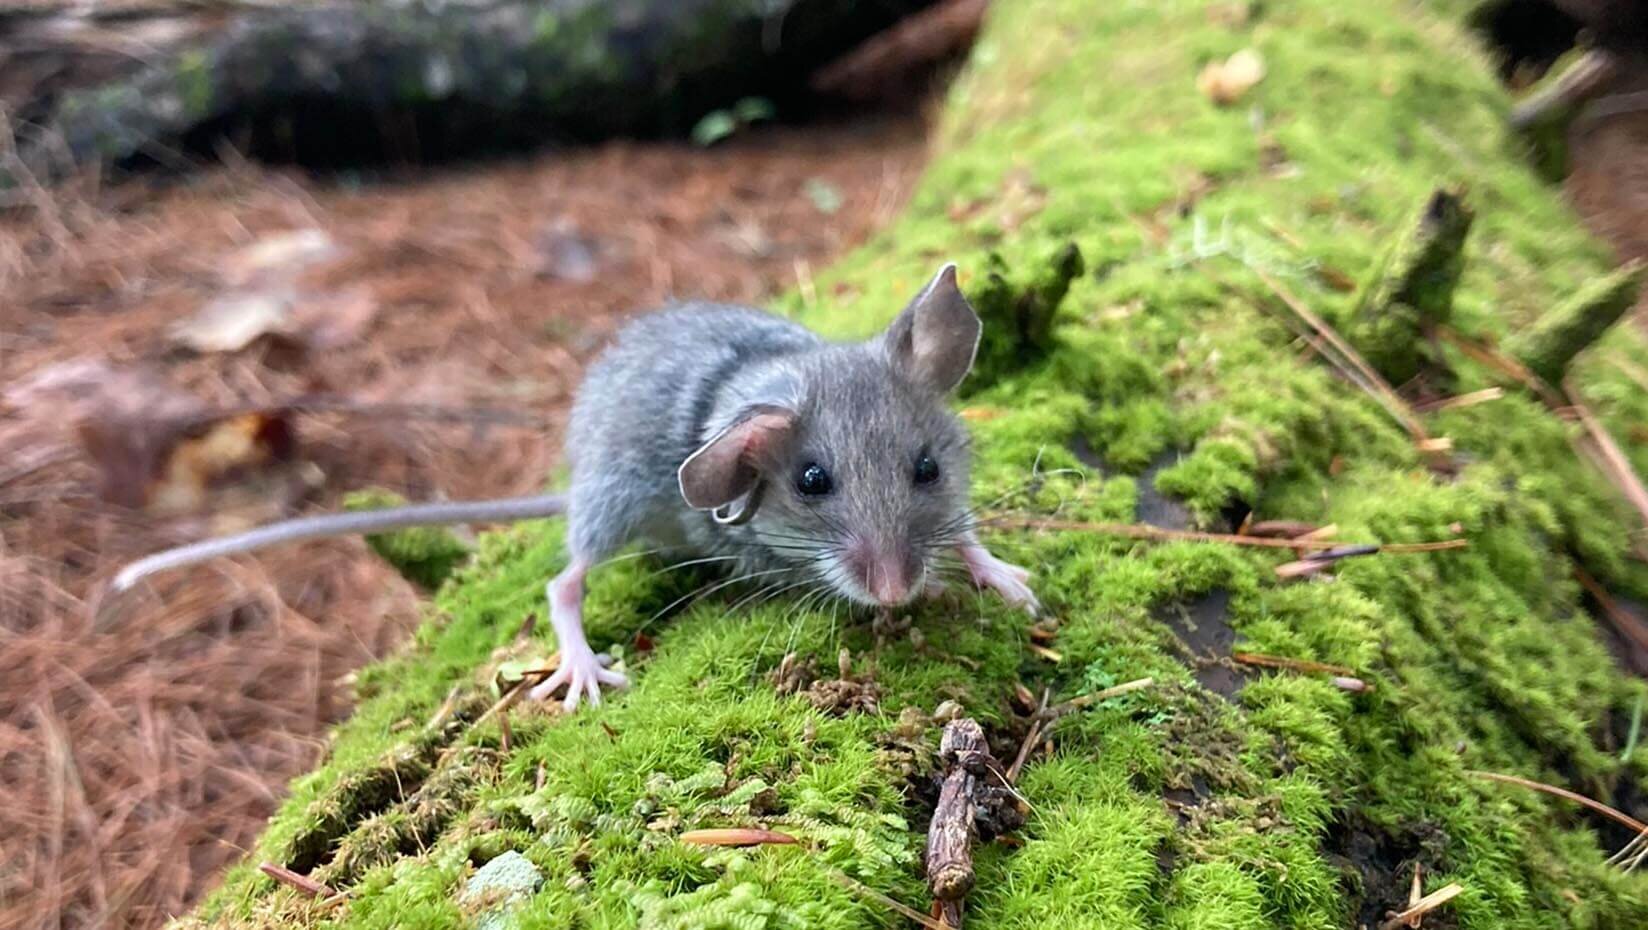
pixel 1004 578
pixel 580 670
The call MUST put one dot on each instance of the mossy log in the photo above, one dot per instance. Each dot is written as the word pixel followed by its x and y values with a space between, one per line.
pixel 1574 325
pixel 1276 801
pixel 1412 293
pixel 334 83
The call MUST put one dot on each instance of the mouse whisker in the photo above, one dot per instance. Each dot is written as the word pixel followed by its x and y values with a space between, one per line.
pixel 709 589
pixel 689 562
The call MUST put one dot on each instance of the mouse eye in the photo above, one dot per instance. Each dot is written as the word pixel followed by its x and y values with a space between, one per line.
pixel 926 469
pixel 813 480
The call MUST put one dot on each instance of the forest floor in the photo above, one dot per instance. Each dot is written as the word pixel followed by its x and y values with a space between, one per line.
pixel 445 317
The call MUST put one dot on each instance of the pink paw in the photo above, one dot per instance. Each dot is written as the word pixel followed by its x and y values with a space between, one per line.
pixel 1007 580
pixel 583 674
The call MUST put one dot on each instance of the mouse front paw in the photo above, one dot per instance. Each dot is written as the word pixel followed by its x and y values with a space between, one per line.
pixel 583 673
pixel 1006 579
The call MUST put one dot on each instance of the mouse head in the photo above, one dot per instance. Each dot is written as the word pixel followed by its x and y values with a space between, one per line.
pixel 847 463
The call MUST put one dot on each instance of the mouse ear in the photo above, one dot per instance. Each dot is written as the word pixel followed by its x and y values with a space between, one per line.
pixel 935 338
pixel 725 468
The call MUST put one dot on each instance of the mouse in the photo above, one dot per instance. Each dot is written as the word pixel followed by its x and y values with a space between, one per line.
pixel 737 436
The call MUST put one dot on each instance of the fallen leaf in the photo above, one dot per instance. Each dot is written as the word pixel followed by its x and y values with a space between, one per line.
pixel 234 321
pixel 1225 82
pixel 281 254
pixel 232 444
pixel 735 836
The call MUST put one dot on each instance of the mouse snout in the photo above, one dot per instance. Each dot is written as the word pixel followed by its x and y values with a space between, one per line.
pixel 889 574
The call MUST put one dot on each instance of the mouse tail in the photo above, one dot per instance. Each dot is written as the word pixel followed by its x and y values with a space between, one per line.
pixel 365 522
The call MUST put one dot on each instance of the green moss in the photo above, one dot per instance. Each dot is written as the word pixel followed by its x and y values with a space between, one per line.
pixel 1481 658
pixel 425 555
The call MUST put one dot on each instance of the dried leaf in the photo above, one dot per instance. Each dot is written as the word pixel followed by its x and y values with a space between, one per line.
pixel 1225 82
pixel 735 836
pixel 278 255
pixel 234 321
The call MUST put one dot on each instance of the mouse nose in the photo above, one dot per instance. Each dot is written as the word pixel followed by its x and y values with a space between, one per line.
pixel 886 577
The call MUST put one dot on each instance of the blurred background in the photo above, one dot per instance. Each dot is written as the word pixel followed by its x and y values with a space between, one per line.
pixel 258 254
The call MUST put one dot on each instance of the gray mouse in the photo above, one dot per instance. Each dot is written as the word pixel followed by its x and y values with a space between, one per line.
pixel 734 435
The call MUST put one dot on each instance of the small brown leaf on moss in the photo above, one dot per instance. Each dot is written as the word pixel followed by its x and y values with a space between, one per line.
pixel 736 836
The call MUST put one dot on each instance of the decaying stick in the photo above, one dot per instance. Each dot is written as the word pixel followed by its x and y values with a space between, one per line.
pixel 950 838
pixel 292 879
pixel 965 800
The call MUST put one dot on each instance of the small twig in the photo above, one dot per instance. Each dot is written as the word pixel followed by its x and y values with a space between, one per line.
pixel 1146 531
pixel 1077 703
pixel 1029 740
pixel 1627 626
pixel 865 891
pixel 1051 655
pixel 1617 816
pixel 292 879
pixel 950 835
pixel 1298 665
pixel 1426 904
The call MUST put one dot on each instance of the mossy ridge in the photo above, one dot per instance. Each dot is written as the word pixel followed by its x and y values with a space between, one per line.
pixel 1481 658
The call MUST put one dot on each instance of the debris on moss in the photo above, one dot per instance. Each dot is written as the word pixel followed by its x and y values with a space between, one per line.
pixel 424 555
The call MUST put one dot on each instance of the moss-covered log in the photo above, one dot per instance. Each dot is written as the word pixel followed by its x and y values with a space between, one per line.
pixel 344 82
pixel 1253 798
pixel 1575 324
pixel 1412 293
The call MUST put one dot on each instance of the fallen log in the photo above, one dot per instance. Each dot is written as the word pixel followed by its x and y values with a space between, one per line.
pixel 334 82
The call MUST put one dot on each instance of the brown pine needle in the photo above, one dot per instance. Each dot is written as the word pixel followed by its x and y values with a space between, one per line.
pixel 1626 625
pixel 736 836
pixel 865 891
pixel 1364 374
pixel 1612 459
pixel 1462 401
pixel 1490 357
pixel 1076 703
pixel 1297 665
pixel 1426 904
pixel 1146 531
pixel 292 879
pixel 1617 816
pixel 1051 655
